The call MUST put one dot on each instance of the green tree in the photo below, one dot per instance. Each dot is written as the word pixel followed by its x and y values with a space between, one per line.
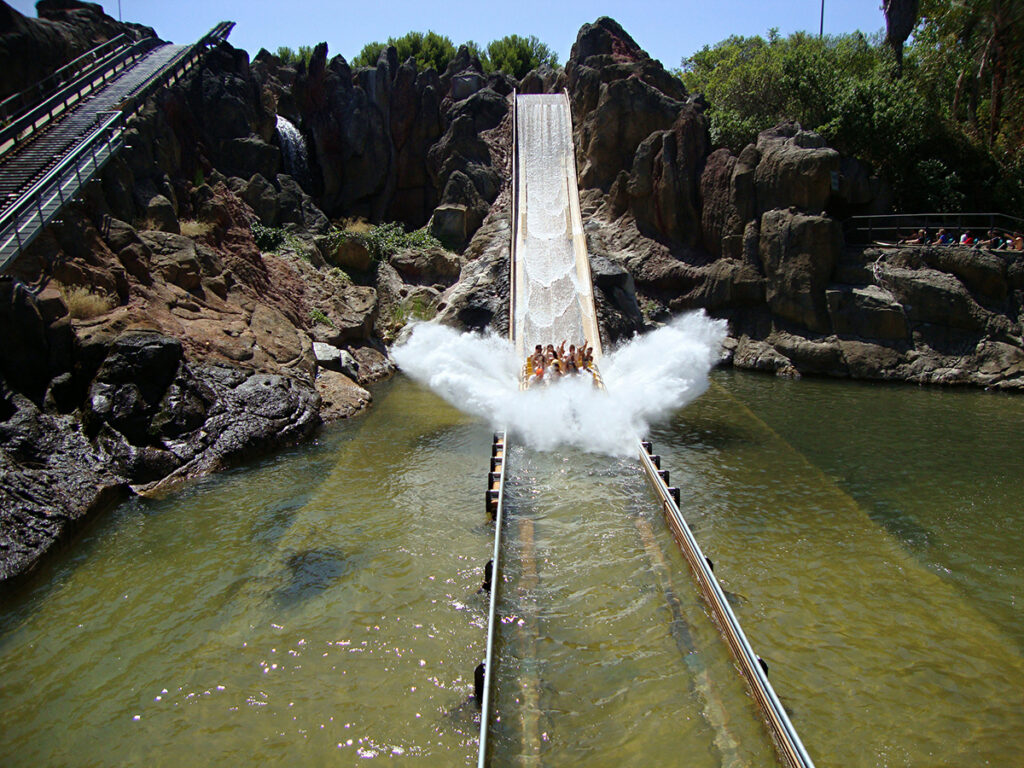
pixel 517 55
pixel 369 55
pixel 843 87
pixel 980 43
pixel 429 50
pixel 290 57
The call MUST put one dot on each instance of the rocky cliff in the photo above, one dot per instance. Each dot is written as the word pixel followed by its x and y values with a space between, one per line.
pixel 755 238
pixel 201 302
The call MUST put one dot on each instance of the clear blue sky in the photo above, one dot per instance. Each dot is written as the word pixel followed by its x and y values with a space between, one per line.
pixel 666 29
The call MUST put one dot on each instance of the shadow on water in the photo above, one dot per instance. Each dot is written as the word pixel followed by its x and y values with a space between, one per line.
pixel 914 536
pixel 708 435
pixel 310 573
pixel 271 524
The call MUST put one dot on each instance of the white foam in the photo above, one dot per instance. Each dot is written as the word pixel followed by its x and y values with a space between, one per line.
pixel 647 379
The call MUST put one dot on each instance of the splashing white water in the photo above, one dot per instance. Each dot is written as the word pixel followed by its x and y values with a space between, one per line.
pixel 647 379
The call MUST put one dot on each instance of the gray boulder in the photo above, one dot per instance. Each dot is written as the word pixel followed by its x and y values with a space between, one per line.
pixel 798 253
pixel 795 169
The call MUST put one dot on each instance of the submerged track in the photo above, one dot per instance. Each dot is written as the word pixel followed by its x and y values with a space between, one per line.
pixel 552 300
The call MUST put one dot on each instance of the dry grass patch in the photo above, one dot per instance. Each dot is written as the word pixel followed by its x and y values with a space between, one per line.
pixel 357 225
pixel 84 304
pixel 193 228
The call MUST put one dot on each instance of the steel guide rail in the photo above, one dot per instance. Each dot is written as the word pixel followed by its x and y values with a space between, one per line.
pixel 784 735
pixel 495 501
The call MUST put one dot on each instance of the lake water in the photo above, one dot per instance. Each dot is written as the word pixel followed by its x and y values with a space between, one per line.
pixel 321 606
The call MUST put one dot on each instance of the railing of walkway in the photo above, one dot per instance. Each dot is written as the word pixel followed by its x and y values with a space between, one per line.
pixel 39 205
pixel 891 228
pixel 19 102
pixel 37 118
pixel 177 68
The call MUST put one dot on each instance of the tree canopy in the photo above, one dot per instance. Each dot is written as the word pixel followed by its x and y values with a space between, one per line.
pixel 511 54
pixel 292 57
pixel 515 55
pixel 923 126
pixel 429 50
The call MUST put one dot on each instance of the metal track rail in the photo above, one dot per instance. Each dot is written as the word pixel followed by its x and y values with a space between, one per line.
pixel 496 506
pixel 784 735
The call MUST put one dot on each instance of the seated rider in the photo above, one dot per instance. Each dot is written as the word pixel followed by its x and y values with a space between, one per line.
pixel 921 238
pixel 537 358
pixel 994 240
pixel 943 237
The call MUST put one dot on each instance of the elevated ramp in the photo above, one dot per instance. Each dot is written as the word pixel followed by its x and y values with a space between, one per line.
pixel 552 293
pixel 25 164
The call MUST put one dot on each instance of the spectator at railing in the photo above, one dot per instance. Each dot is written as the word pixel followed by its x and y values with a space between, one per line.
pixel 943 237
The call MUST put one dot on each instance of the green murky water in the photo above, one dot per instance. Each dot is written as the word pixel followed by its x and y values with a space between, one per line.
pixel 877 535
pixel 320 607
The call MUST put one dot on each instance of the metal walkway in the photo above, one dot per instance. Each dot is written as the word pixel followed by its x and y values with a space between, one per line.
pixel 551 300
pixel 92 59
pixel 28 162
pixel 41 173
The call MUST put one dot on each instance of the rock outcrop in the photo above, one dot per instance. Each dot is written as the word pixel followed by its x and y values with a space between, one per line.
pixel 164 337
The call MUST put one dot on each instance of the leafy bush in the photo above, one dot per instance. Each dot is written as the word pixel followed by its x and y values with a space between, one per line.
pixel 267 238
pixel 429 50
pixel 517 55
pixel 317 316
pixel 339 275
pixel 386 239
